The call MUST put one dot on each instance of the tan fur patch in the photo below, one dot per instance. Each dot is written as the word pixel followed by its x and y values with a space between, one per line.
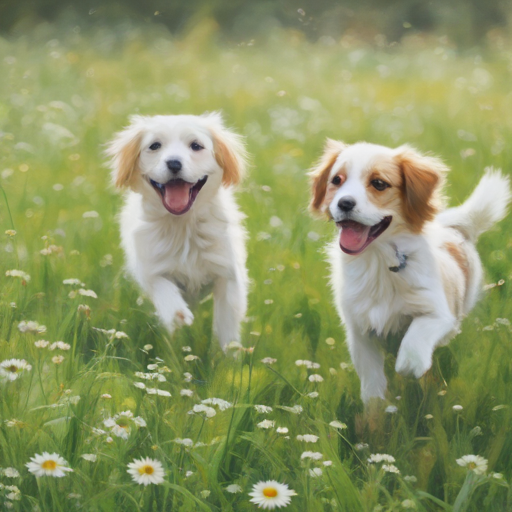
pixel 422 180
pixel 458 254
pixel 230 155
pixel 388 171
pixel 126 172
pixel 319 175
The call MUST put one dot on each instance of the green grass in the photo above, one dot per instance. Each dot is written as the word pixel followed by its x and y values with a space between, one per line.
pixel 62 96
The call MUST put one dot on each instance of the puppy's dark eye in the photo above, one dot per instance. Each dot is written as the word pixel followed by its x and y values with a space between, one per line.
pixel 379 185
pixel 195 146
pixel 155 146
pixel 336 180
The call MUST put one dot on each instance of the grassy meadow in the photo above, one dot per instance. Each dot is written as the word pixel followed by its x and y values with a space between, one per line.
pixel 63 94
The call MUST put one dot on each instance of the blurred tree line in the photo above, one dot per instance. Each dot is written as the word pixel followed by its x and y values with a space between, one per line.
pixel 463 21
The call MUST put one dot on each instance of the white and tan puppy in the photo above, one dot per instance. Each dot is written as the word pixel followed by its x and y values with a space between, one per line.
pixel 181 228
pixel 401 263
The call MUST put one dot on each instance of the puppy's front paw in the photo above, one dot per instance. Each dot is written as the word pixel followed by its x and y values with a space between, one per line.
pixel 183 317
pixel 412 362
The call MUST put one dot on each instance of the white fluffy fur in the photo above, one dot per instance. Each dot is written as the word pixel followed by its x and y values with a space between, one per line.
pixel 374 302
pixel 173 257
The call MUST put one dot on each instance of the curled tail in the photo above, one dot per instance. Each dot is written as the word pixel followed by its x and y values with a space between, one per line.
pixel 484 207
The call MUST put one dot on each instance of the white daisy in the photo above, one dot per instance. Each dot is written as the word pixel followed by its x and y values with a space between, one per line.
pixel 209 412
pixel 316 472
pixel 159 392
pixel 11 369
pixel 268 360
pixel 13 473
pixel 474 463
pixel 31 326
pixel 390 468
pixel 18 273
pixel 57 359
pixel 338 424
pixel 311 455
pixel 315 378
pixel 186 392
pixel 185 442
pixel 282 430
pixel 120 424
pixel 271 494
pixel 219 402
pixel 41 343
pixel 146 471
pixel 381 457
pixel 48 464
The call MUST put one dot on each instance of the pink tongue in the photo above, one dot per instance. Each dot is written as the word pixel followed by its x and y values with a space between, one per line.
pixel 177 195
pixel 353 236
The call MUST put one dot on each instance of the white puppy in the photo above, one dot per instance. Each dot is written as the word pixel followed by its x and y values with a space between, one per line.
pixel 400 264
pixel 180 226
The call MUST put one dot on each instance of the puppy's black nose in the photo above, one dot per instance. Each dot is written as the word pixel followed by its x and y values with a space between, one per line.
pixel 346 203
pixel 174 165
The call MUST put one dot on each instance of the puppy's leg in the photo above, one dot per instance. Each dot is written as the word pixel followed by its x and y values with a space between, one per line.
pixel 170 306
pixel 229 307
pixel 424 334
pixel 368 362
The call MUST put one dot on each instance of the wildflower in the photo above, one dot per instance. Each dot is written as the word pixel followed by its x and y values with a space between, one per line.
pixel 106 396
pixel 308 364
pixel 185 442
pixel 139 385
pixel 361 446
pixel 31 326
pixel 266 424
pixel 296 409
pixel 268 360
pixel 221 404
pixel 13 473
pixel 91 457
pixel 152 367
pixel 159 392
pixel 186 349
pixel 316 472
pixel 263 409
pixel 474 463
pixel 381 457
pixel 497 476
pixel 120 334
pixel 151 376
pixel 188 474
pixel 73 282
pixel 191 357
pixel 87 293
pixel 338 424
pixel 41 343
pixel 315 378
pixel 148 347
pixel 428 416
pixel 307 438
pixel 390 468
pixel 11 369
pixel 209 412
pixel 327 463
pixel 391 409
pixel 146 471
pixel 14 423
pixel 282 430
pixel 60 345
pixel 186 392
pixel 410 478
pixel 120 424
pixel 57 359
pixel 271 494
pixel 187 377
pixel 204 494
pixel 10 232
pixel 18 273
pixel 233 488
pixel 48 464
pixel 311 455
pixel 457 408
pixel 408 504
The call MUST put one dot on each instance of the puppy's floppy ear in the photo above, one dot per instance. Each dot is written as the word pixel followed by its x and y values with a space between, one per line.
pixel 124 151
pixel 423 178
pixel 229 149
pixel 319 174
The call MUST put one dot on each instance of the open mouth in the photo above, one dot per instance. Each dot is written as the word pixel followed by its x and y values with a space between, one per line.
pixel 178 195
pixel 356 237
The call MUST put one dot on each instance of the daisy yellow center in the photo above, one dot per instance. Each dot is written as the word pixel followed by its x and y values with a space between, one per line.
pixel 49 464
pixel 146 470
pixel 471 465
pixel 12 368
pixel 269 492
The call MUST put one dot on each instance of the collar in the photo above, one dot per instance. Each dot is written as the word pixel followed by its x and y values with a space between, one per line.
pixel 402 261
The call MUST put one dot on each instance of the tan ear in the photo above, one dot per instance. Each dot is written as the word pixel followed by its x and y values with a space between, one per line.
pixel 319 174
pixel 124 151
pixel 229 149
pixel 423 178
